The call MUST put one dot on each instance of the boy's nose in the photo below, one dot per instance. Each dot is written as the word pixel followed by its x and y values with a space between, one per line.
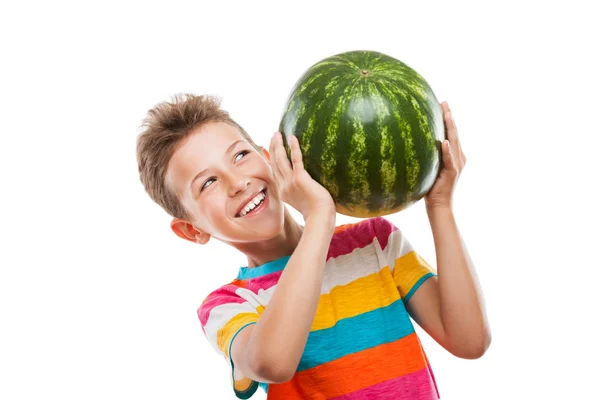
pixel 238 185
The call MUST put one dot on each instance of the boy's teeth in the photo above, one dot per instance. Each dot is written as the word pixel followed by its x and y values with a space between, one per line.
pixel 253 204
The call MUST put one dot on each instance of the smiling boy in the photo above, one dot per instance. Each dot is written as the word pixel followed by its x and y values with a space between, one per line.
pixel 320 311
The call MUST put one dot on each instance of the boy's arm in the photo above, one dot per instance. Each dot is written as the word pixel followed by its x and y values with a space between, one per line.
pixel 450 308
pixel 270 350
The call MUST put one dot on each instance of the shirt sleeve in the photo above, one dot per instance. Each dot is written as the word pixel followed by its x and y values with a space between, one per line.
pixel 223 315
pixel 408 268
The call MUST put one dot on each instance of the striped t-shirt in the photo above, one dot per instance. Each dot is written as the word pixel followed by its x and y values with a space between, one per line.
pixel 362 344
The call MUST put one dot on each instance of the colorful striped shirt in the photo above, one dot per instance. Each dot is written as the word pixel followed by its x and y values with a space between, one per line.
pixel 362 343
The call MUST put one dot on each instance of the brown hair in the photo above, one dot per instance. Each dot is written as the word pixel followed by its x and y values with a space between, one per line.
pixel 167 125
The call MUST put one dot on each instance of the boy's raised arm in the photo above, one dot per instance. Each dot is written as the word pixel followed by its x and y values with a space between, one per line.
pixel 270 350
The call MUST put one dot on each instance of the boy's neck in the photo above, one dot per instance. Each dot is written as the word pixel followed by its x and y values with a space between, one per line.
pixel 280 246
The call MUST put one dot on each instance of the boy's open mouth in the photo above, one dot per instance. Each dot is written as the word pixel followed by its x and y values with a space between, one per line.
pixel 254 205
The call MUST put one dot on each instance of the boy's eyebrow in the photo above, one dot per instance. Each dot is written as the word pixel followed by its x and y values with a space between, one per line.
pixel 229 149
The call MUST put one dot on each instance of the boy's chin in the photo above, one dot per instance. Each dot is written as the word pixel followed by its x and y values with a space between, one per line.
pixel 266 228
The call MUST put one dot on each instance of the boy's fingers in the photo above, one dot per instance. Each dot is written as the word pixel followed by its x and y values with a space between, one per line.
pixel 445 107
pixel 451 127
pixel 449 156
pixel 452 134
pixel 273 151
pixel 296 154
pixel 451 131
pixel 282 158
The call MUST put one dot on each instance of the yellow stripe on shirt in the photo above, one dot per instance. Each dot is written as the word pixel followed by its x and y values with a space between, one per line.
pixel 357 297
pixel 225 334
pixel 408 269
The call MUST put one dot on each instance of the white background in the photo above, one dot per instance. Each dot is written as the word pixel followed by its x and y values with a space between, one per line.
pixel 98 297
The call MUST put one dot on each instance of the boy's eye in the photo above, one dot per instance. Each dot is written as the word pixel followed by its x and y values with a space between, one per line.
pixel 204 185
pixel 242 152
pixel 212 178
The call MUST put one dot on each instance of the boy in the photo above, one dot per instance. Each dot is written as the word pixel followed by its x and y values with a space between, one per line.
pixel 338 324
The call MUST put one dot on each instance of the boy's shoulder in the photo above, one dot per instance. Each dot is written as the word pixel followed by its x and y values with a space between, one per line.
pixel 225 293
pixel 378 227
pixel 376 222
pixel 348 237
pixel 345 239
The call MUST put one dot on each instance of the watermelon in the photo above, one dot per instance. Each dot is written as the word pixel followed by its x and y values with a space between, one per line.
pixel 370 131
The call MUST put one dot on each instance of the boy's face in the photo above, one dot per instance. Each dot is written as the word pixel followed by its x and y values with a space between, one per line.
pixel 232 175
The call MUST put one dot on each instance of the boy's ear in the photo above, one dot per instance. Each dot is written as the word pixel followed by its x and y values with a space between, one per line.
pixel 265 153
pixel 187 231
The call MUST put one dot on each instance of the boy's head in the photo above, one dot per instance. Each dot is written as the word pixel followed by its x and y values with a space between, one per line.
pixel 202 167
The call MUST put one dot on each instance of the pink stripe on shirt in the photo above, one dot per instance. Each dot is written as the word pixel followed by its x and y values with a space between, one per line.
pixel 224 295
pixel 416 386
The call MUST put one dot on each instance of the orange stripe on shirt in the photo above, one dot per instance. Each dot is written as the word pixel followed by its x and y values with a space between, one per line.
pixel 342 228
pixel 355 371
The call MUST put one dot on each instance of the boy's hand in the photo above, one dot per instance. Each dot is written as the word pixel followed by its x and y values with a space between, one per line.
pixel 296 187
pixel 454 161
